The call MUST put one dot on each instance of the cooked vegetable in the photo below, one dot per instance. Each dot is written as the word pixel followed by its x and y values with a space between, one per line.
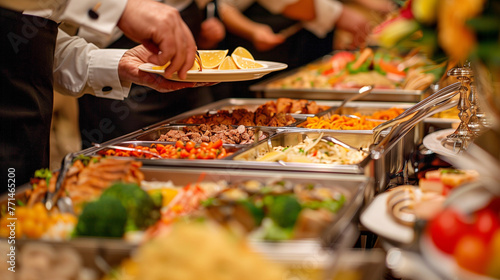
pixel 332 205
pixel 141 209
pixel 256 211
pixel 105 217
pixel 283 209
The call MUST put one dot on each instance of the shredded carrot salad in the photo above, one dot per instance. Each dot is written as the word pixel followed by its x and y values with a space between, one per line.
pixel 339 122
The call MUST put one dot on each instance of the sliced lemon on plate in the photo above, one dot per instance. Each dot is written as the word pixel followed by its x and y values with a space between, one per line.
pixel 245 63
pixel 241 51
pixel 228 64
pixel 212 58
pixel 196 66
pixel 162 67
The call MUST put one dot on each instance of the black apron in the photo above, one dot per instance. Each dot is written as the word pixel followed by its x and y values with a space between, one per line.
pixel 27 46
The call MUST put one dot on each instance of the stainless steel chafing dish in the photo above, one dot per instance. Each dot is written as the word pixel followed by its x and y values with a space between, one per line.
pixel 341 233
pixel 263 90
pixel 383 170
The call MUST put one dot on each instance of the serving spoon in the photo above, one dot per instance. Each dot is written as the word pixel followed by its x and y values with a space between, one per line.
pixel 364 91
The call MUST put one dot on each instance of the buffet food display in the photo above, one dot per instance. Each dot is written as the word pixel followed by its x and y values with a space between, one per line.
pixel 285 177
pixel 346 69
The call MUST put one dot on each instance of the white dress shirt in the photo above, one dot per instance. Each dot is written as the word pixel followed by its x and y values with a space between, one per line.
pixel 79 67
pixel 82 68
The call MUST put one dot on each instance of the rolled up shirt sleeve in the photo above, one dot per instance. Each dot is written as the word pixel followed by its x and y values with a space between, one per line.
pixel 82 68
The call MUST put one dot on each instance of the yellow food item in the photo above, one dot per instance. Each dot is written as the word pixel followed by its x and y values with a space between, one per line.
pixel 212 58
pixel 245 63
pixel 198 251
pixel 163 67
pixel 338 122
pixel 228 64
pixel 196 66
pixel 34 222
pixel 241 51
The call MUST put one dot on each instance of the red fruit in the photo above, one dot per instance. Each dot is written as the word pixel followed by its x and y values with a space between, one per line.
pixel 485 225
pixel 472 254
pixel 446 229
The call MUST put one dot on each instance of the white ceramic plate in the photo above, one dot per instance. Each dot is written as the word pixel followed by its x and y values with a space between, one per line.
pixel 433 143
pixel 211 75
pixel 376 219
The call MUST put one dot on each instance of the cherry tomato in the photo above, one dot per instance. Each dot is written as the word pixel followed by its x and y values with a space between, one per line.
pixel 184 153
pixel 179 144
pixel 190 145
pixel 217 144
pixel 486 224
pixel 472 253
pixel 446 228
pixel 493 269
pixel 204 144
pixel 222 153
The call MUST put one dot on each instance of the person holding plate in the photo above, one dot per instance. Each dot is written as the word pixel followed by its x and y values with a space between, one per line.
pixel 27 43
pixel 144 105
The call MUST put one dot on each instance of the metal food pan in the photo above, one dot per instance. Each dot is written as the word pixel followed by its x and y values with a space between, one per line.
pixel 96 251
pixel 356 188
pixel 250 104
pixel 230 148
pixel 287 138
pixel 263 90
pixel 212 108
pixel 154 134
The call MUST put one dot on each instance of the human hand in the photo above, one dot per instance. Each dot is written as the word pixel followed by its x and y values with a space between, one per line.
pixel 264 38
pixel 355 23
pixel 162 31
pixel 128 70
pixel 212 32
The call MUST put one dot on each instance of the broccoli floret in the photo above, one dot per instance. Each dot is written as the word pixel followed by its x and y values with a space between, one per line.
pixel 283 209
pixel 105 217
pixel 141 209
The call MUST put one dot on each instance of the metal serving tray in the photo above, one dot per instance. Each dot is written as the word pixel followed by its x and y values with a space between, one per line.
pixel 341 233
pixel 357 189
pixel 263 90
pixel 230 148
pixel 154 133
pixel 288 138
pixel 226 104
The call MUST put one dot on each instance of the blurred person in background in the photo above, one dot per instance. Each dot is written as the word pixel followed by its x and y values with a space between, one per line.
pixel 144 106
pixel 27 44
pixel 294 32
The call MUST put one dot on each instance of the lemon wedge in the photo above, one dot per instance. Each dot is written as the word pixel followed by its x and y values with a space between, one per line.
pixel 212 58
pixel 241 51
pixel 228 64
pixel 245 63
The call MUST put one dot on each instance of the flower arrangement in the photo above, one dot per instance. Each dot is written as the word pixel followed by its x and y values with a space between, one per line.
pixel 454 29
